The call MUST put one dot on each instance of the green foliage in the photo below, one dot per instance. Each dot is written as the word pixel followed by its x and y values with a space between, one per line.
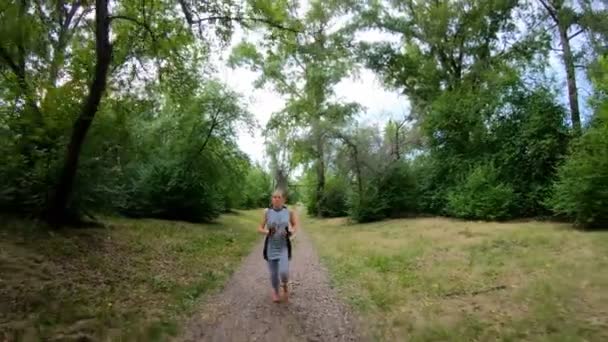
pixel 164 189
pixel 334 202
pixel 432 180
pixel 369 205
pixel 194 174
pixel 581 191
pixel 461 65
pixel 399 190
pixel 304 67
pixel 393 192
pixel 481 196
pixel 335 196
pixel 258 187
pixel 481 140
pixel 527 145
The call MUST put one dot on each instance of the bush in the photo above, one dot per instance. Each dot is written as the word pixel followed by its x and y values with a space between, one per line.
pixel 527 144
pixel 257 189
pixel 335 199
pixel 581 191
pixel 369 206
pixel 481 196
pixel 165 189
pixel 334 202
pixel 433 177
pixel 399 191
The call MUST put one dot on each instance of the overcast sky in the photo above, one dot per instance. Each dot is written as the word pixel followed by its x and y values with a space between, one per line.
pixel 380 104
pixel 366 89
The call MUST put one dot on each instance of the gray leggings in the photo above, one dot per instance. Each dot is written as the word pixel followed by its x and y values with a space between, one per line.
pixel 279 268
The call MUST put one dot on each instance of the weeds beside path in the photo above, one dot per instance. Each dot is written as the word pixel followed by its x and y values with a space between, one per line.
pixel 135 280
pixel 437 279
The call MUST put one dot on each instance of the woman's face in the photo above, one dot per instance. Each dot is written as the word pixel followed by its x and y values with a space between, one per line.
pixel 277 200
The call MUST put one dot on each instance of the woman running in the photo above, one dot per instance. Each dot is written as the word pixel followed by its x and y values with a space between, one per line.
pixel 278 224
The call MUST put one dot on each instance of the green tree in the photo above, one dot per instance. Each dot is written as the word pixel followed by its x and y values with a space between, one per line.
pixel 304 67
pixel 49 58
pixel 581 192
pixel 569 20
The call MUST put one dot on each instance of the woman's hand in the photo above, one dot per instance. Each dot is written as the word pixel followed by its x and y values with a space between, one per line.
pixel 262 227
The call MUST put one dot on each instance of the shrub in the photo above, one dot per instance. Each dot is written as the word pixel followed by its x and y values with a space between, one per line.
pixel 581 191
pixel 371 205
pixel 398 188
pixel 481 196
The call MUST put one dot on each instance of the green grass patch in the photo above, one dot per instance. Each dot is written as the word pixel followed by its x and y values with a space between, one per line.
pixel 134 280
pixel 438 279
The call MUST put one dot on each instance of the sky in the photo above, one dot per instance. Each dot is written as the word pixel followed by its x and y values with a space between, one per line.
pixel 379 104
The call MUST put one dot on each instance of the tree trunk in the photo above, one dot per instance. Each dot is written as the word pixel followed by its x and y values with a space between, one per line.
pixel 358 170
pixel 58 209
pixel 281 179
pixel 397 152
pixel 571 78
pixel 320 171
pixel 320 183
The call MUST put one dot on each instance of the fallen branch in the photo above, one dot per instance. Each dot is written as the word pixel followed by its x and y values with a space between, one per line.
pixel 476 292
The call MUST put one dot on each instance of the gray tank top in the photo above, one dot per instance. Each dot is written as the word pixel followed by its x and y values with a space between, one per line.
pixel 277 244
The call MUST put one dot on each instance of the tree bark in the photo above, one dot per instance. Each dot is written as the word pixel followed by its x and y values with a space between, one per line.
pixel 553 9
pixel 320 172
pixel 397 152
pixel 58 208
pixel 571 79
pixel 320 183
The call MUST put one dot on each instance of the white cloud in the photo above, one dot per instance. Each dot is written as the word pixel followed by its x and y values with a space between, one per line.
pixel 380 104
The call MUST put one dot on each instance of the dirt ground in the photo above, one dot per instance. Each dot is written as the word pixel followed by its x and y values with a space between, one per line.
pixel 244 311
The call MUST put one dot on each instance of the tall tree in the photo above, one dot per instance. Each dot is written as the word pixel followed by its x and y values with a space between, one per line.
pixel 452 51
pixel 304 67
pixel 49 52
pixel 572 19
pixel 103 53
pixel 279 148
pixel 564 20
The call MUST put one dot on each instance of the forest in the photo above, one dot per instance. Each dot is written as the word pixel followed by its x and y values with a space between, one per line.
pixel 110 108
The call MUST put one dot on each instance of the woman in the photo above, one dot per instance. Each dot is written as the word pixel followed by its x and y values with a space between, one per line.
pixel 278 224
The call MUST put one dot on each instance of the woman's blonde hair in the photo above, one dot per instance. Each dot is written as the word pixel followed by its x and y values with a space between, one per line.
pixel 279 191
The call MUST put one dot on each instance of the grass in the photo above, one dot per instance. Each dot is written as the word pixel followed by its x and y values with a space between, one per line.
pixel 437 279
pixel 135 280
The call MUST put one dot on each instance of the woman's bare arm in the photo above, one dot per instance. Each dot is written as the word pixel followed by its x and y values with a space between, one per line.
pixel 294 223
pixel 262 227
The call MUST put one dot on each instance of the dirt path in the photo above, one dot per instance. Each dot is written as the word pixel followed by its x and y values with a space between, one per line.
pixel 245 312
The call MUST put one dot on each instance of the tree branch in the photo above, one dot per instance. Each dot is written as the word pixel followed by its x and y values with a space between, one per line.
pixel 19 71
pixel 14 67
pixel 61 10
pixel 198 21
pixel 214 123
pixel 43 17
pixel 84 12
pixel 137 22
pixel 186 11
pixel 62 40
pixel 550 10
pixel 242 20
pixel 576 34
